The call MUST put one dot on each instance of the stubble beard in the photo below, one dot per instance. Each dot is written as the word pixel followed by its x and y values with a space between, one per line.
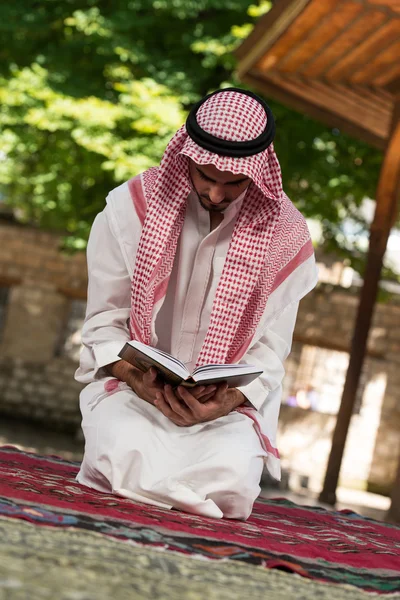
pixel 211 207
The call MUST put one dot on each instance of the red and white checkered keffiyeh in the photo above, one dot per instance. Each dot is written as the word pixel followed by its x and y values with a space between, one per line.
pixel 269 241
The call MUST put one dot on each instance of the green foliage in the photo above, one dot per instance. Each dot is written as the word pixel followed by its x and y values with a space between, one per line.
pixel 328 175
pixel 92 91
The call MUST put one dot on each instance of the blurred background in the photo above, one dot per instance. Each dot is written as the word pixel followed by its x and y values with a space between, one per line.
pixel 91 92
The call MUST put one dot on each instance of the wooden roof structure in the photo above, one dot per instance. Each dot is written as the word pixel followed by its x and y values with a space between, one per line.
pixel 336 60
pixel 339 62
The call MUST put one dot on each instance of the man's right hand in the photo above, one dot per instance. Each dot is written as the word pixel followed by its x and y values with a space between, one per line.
pixel 146 385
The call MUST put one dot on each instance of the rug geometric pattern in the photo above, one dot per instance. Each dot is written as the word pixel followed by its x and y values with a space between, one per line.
pixel 327 546
pixel 50 563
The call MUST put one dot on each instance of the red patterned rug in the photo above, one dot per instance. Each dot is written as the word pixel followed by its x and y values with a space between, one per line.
pixel 338 547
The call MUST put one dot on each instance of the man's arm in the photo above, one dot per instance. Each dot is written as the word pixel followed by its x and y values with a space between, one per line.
pixel 268 353
pixel 105 329
pixel 123 371
pixel 145 385
pixel 190 411
pixel 148 385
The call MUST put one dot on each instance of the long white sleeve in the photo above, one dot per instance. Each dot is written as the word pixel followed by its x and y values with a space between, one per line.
pixel 269 353
pixel 108 304
pixel 111 253
pixel 106 330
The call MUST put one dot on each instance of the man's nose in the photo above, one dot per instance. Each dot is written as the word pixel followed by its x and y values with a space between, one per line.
pixel 217 194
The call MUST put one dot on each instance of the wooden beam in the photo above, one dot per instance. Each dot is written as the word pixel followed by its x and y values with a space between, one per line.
pixel 270 89
pixel 358 106
pixel 262 25
pixel 368 22
pixel 324 32
pixel 387 76
pixel 325 102
pixel 393 86
pixel 378 64
pixel 381 100
pixel 296 33
pixel 343 101
pixel 370 47
pixel 390 5
pixel 384 219
pixel 267 31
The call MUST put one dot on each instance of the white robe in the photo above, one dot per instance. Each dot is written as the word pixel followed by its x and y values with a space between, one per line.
pixel 131 449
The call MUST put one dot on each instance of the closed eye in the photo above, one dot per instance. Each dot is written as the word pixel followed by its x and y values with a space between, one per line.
pixel 203 176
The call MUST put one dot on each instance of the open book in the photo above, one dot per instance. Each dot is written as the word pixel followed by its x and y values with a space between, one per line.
pixel 174 372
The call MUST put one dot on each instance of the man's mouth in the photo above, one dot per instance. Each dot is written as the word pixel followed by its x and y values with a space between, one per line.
pixel 220 205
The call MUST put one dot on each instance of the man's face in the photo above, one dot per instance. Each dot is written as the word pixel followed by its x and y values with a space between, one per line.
pixel 216 189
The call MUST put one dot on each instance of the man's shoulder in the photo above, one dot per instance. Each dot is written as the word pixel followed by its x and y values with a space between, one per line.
pixel 126 203
pixel 292 234
pixel 121 191
pixel 140 184
pixel 291 217
pixel 143 183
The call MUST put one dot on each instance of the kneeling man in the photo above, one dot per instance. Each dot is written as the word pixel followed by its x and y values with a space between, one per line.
pixel 205 258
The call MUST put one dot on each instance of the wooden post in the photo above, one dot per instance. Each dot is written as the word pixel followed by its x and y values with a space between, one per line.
pixel 384 218
pixel 394 510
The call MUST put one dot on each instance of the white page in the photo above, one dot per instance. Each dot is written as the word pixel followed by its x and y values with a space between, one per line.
pixel 166 359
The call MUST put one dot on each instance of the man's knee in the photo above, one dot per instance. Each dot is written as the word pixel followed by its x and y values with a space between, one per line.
pixel 243 464
pixel 116 428
pixel 239 484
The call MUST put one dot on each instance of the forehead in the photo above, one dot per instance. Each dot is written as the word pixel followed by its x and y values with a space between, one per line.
pixel 212 172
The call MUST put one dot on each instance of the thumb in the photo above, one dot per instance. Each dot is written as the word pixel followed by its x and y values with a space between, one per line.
pixel 152 373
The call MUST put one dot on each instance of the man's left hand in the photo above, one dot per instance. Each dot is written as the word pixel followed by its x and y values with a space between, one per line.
pixel 186 410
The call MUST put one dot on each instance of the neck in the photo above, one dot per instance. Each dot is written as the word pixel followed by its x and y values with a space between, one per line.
pixel 215 219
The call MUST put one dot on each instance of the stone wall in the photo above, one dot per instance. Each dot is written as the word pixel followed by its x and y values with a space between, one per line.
pixel 45 393
pixel 372 452
pixel 36 381
pixel 42 281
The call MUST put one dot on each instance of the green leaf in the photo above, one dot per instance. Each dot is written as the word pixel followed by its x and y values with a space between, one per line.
pixel 92 91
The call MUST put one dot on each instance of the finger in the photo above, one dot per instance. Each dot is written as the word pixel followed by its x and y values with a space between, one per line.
pixel 221 389
pixel 210 389
pixel 191 402
pixel 223 399
pixel 166 410
pixel 217 389
pixel 209 411
pixel 197 391
pixel 176 404
pixel 206 398
pixel 153 374
pixel 150 379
